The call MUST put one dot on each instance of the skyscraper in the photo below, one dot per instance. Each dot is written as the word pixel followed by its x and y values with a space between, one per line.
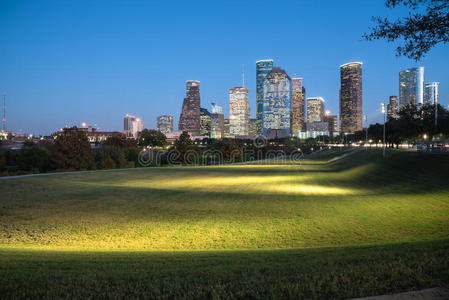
pixel 315 109
pixel 190 116
pixel 351 97
pixel 165 124
pixel 431 92
pixel 411 86
pixel 392 108
pixel 216 121
pixel 238 111
pixel 277 96
pixel 332 121
pixel 298 106
pixel 132 126
pixel 263 67
pixel 205 121
pixel 226 132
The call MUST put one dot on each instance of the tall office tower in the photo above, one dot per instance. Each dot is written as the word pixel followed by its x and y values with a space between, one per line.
pixel 332 121
pixel 252 128
pixel 216 125
pixel 351 97
pixel 298 106
pixel 315 109
pixel 190 116
pixel 226 132
pixel 411 86
pixel 205 121
pixel 277 96
pixel 238 111
pixel 431 92
pixel 263 67
pixel 216 109
pixel 165 124
pixel 392 108
pixel 132 126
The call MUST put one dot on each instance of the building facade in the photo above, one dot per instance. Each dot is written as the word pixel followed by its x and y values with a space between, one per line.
pixel 263 67
pixel 411 86
pixel 165 124
pixel 216 125
pixel 298 112
pixel 132 126
pixel 205 122
pixel 431 93
pixel 238 111
pixel 277 96
pixel 315 109
pixel 252 128
pixel 332 121
pixel 351 114
pixel 190 115
pixel 226 131
pixel 392 108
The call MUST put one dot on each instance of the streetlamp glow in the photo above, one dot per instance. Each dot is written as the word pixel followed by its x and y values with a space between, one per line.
pixel 382 106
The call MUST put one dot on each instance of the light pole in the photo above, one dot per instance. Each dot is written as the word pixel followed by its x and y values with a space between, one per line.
pixel 366 131
pixel 382 105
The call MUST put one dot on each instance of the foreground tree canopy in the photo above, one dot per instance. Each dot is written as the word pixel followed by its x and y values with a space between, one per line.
pixel 426 25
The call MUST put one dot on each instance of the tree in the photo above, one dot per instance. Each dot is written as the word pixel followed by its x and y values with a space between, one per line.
pixel 33 158
pixel 2 161
pixel 72 151
pixel 426 25
pixel 151 137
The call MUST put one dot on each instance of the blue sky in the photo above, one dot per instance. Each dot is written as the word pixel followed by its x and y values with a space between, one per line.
pixel 65 62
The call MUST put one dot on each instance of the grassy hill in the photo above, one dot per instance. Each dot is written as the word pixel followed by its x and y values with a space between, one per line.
pixel 358 226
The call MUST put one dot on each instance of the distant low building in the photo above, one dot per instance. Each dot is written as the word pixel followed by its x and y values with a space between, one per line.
pixel 226 132
pixel 313 130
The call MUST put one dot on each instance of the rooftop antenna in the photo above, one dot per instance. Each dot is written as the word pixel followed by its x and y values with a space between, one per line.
pixel 243 75
pixel 4 113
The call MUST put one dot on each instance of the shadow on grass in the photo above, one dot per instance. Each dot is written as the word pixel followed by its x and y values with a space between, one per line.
pixel 327 273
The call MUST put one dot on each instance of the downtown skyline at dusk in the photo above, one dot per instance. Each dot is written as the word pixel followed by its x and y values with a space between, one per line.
pixel 66 63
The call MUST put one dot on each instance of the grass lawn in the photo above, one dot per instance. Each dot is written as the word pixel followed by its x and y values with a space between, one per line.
pixel 356 227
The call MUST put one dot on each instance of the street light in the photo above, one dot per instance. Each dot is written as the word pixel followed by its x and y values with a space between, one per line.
pixel 366 131
pixel 382 106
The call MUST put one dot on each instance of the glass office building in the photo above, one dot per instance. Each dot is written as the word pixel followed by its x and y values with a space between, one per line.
pixel 277 96
pixel 411 86
pixel 263 67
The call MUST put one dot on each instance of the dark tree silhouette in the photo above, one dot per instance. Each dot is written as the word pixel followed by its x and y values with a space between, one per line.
pixel 426 25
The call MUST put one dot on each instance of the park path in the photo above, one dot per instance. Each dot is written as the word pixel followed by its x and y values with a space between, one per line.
pixel 438 293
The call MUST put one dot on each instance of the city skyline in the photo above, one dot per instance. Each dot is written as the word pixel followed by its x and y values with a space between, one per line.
pixel 63 76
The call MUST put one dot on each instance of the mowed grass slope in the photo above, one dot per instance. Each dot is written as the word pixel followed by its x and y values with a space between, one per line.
pixel 355 201
pixel 357 227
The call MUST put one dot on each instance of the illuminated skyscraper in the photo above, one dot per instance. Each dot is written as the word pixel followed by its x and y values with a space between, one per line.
pixel 190 116
pixel 205 122
pixel 315 109
pixel 238 111
pixel 332 122
pixel 165 124
pixel 392 108
pixel 263 67
pixel 132 126
pixel 351 97
pixel 431 92
pixel 298 106
pixel 277 96
pixel 411 86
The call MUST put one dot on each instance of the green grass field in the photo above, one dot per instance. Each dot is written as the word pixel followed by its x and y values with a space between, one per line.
pixel 359 226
